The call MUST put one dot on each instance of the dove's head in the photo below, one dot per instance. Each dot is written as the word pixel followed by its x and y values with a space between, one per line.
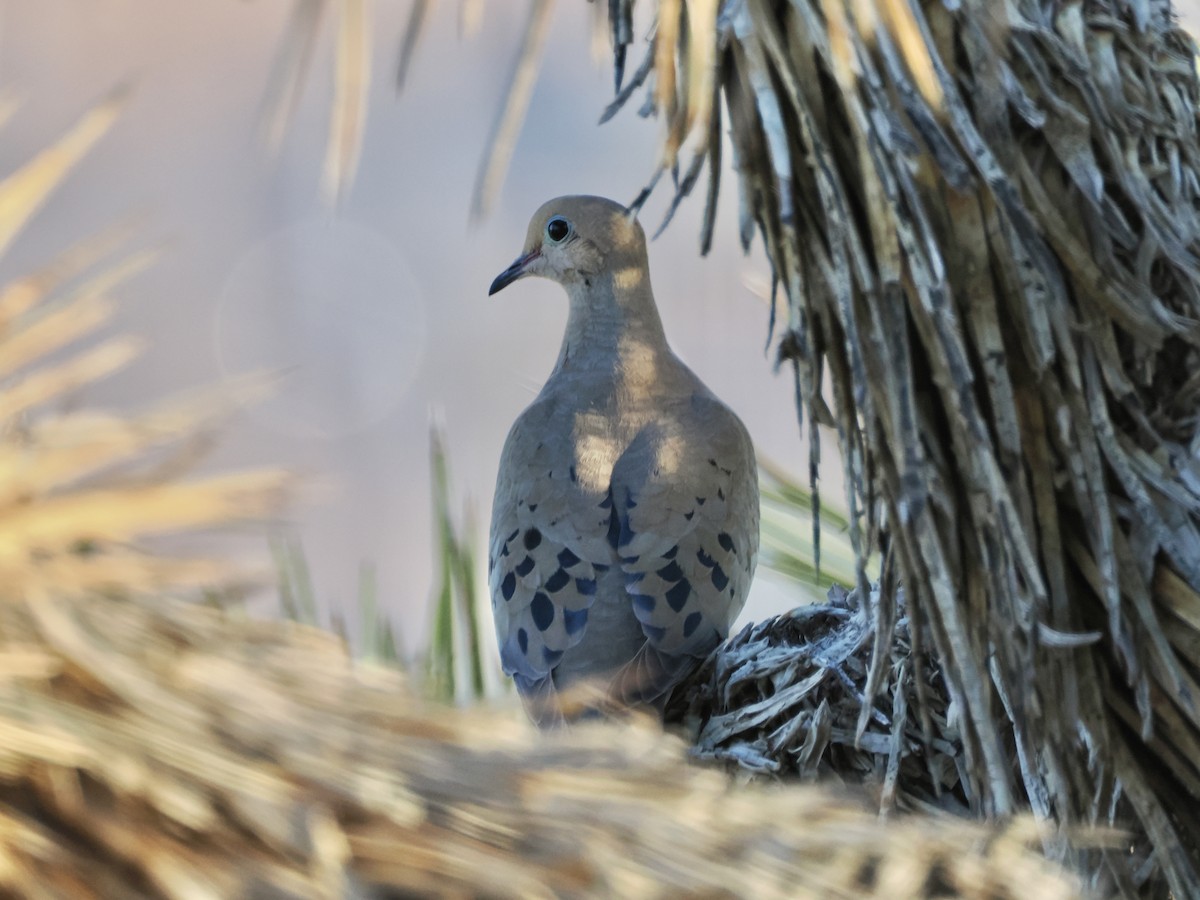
pixel 574 240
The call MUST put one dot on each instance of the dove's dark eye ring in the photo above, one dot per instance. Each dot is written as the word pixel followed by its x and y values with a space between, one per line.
pixel 558 229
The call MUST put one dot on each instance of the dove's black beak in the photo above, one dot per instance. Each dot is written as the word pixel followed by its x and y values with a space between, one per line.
pixel 513 272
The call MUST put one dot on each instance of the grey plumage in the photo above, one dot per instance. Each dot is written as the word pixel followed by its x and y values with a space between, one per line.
pixel 625 521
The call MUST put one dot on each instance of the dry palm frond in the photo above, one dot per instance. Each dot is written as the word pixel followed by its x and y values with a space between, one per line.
pixel 351 80
pixel 352 75
pixel 66 520
pixel 983 217
pixel 160 749
pixel 288 72
pixel 509 117
pixel 470 17
pixel 785 696
pixel 23 192
pixel 418 16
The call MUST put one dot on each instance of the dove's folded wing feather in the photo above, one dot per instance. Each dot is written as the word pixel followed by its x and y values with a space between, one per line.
pixel 687 498
pixel 549 548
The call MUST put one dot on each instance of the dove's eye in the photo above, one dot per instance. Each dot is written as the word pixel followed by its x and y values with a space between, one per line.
pixel 558 229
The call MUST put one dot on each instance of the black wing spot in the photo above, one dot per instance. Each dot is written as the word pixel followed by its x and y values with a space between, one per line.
pixel 516 531
pixel 508 585
pixel 542 610
pixel 725 541
pixel 533 537
pixel 525 566
pixel 586 586
pixel 670 572
pixel 705 559
pixel 557 581
pixel 700 501
pixel 688 515
pixel 670 554
pixel 566 558
pixel 719 578
pixel 677 596
pixel 720 493
pixel 523 640
pixel 691 623
pixel 574 476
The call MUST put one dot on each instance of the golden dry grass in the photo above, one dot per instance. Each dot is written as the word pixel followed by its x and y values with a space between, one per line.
pixel 156 748
pixel 77 488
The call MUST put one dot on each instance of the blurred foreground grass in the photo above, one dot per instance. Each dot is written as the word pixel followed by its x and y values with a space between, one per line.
pixel 82 489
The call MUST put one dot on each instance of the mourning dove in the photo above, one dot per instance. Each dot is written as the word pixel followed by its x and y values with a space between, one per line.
pixel 625 522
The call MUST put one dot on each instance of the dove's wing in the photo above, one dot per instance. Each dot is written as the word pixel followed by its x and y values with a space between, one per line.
pixel 549 551
pixel 686 496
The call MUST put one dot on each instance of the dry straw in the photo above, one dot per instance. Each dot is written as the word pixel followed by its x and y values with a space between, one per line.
pixel 164 750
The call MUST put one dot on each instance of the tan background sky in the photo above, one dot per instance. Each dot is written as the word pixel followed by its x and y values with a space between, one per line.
pixel 378 311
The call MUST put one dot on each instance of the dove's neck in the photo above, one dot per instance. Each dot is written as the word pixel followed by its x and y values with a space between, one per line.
pixel 613 328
